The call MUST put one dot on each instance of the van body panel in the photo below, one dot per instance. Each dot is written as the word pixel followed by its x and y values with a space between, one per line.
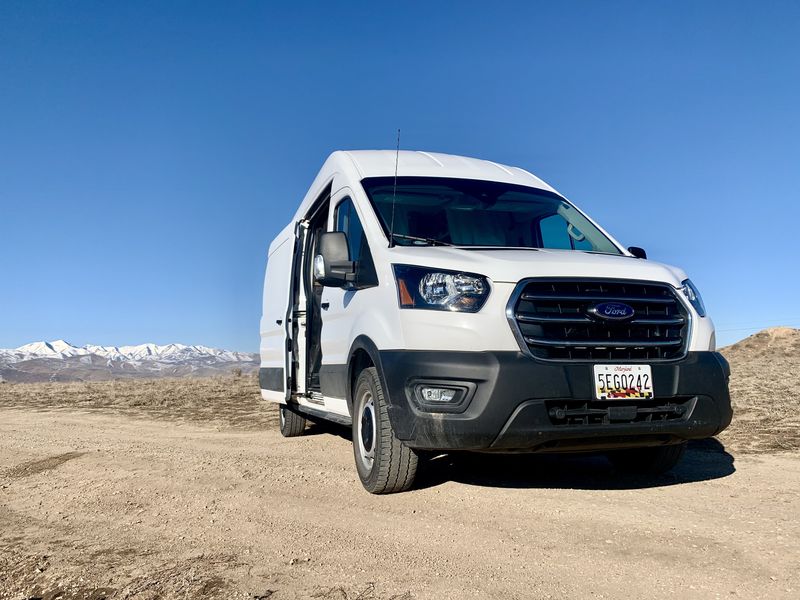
pixel 486 329
pixel 272 375
pixel 385 331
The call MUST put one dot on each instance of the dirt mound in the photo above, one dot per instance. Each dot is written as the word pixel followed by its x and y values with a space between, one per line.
pixel 765 379
pixel 766 344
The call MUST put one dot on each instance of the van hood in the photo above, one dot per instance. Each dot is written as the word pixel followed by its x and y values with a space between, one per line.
pixel 513 264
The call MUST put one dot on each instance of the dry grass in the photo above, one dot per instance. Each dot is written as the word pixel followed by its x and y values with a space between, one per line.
pixel 764 383
pixel 223 401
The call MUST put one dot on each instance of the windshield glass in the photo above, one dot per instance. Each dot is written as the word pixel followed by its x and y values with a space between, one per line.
pixel 467 212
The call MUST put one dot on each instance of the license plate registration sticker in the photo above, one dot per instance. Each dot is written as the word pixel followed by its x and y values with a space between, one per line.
pixel 619 382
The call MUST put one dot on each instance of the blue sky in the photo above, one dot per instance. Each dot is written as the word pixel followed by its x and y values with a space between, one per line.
pixel 149 151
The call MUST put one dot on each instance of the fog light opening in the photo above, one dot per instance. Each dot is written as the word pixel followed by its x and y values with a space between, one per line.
pixel 437 395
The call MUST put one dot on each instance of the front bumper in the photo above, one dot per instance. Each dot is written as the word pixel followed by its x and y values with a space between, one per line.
pixel 514 403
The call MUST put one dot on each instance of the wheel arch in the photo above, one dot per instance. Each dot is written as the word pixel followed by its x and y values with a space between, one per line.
pixel 363 354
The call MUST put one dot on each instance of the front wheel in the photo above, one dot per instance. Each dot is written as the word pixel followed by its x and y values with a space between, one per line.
pixel 648 461
pixel 384 463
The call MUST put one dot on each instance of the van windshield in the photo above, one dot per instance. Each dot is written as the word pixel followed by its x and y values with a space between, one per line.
pixel 467 212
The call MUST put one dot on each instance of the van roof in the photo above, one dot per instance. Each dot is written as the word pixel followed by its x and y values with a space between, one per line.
pixel 381 163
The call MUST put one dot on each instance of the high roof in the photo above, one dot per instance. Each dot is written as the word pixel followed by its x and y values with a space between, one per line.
pixel 381 163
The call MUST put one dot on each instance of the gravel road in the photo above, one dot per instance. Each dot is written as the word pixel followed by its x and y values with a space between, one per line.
pixel 102 505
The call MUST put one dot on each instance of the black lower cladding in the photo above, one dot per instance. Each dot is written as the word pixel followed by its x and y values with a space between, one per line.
pixel 333 380
pixel 271 378
pixel 521 404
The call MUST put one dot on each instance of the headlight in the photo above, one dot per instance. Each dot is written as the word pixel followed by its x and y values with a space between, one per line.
pixel 693 295
pixel 434 289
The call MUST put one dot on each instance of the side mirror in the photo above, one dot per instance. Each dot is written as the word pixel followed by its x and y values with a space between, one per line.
pixel 637 252
pixel 332 264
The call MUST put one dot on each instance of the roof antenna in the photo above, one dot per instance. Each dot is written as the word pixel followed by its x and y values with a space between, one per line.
pixel 394 191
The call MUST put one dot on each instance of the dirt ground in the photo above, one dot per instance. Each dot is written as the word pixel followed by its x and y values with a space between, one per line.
pixel 185 489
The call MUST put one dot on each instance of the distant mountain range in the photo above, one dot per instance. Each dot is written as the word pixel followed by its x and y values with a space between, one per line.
pixel 61 361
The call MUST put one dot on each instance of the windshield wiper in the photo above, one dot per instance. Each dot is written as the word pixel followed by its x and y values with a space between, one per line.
pixel 429 241
pixel 601 252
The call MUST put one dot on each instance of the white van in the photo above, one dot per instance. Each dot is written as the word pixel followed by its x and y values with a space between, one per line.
pixel 440 303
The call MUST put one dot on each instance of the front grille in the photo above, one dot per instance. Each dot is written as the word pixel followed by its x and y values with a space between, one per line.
pixel 552 321
pixel 579 413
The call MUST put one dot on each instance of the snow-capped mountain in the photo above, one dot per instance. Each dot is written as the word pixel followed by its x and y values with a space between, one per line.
pixel 60 360
pixel 167 352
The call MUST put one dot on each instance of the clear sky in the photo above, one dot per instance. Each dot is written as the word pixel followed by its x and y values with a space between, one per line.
pixel 149 151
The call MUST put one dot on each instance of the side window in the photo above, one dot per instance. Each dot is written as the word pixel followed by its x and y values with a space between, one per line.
pixel 555 234
pixel 346 219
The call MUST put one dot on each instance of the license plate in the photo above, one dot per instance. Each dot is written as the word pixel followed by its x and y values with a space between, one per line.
pixel 622 382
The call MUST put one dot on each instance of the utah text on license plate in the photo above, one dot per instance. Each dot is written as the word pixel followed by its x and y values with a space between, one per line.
pixel 617 382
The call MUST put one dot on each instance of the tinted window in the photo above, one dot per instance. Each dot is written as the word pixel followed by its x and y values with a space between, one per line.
pixel 346 220
pixel 556 232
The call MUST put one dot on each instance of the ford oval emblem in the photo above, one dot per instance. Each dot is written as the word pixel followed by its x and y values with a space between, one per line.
pixel 613 311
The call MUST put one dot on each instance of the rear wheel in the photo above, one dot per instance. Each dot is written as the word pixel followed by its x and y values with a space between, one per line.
pixel 292 424
pixel 648 461
pixel 384 463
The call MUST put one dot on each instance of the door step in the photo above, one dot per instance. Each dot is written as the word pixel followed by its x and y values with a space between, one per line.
pixel 316 398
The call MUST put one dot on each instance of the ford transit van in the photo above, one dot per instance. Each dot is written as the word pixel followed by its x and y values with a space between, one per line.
pixel 438 303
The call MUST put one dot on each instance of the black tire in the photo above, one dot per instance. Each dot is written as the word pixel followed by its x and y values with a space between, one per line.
pixel 648 461
pixel 385 464
pixel 292 424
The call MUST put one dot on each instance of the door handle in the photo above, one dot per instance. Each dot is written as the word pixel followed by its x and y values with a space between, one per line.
pixel 279 321
pixel 325 305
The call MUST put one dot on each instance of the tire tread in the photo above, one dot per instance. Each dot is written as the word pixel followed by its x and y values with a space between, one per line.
pixel 293 424
pixel 396 462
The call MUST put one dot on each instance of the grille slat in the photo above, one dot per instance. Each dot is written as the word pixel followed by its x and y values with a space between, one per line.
pixel 664 321
pixel 601 343
pixel 596 298
pixel 528 318
pixel 552 320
